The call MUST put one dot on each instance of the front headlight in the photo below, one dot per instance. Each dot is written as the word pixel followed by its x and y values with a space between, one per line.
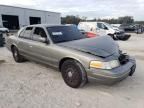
pixel 104 65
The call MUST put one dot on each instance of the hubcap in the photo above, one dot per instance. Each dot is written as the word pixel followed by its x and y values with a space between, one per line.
pixel 70 74
pixel 15 54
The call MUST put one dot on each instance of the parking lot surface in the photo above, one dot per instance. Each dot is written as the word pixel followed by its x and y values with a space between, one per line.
pixel 32 85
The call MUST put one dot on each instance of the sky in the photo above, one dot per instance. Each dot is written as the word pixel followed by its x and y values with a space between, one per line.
pixel 88 8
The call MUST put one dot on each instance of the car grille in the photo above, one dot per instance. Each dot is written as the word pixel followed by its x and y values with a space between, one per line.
pixel 123 59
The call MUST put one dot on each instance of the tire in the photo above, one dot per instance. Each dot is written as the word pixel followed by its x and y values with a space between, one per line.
pixel 73 74
pixel 16 55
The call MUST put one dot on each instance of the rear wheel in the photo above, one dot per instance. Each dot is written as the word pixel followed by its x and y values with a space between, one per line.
pixel 73 73
pixel 16 55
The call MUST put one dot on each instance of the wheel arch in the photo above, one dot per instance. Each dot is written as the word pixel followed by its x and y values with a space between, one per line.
pixel 12 46
pixel 67 58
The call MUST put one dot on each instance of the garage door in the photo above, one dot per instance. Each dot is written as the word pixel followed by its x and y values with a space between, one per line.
pixel 35 20
pixel 10 21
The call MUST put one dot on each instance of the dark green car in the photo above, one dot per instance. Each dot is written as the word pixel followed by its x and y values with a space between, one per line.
pixel 78 58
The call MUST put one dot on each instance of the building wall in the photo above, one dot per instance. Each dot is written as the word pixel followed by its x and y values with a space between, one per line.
pixel 24 14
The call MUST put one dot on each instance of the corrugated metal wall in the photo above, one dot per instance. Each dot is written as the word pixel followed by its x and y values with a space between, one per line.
pixel 24 14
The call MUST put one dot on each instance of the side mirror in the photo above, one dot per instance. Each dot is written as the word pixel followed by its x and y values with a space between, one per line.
pixel 41 39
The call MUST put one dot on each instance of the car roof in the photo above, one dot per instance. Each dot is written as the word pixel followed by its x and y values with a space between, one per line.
pixel 46 25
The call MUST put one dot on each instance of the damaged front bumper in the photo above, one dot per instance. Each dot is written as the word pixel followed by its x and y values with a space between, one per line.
pixel 113 75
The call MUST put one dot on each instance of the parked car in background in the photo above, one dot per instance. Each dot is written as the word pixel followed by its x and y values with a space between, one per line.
pixel 139 28
pixel 116 25
pixel 136 28
pixel 3 29
pixel 77 57
pixel 128 27
pixel 102 29
pixel 2 40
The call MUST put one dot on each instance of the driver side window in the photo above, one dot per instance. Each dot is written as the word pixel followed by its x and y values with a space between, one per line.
pixel 39 34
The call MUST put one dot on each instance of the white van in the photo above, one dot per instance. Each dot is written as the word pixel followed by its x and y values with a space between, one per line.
pixel 99 28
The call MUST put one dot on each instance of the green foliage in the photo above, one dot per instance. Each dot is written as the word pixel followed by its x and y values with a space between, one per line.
pixel 126 20
pixel 139 22
pixel 70 19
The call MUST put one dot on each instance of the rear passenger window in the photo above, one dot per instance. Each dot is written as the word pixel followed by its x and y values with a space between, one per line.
pixel 26 34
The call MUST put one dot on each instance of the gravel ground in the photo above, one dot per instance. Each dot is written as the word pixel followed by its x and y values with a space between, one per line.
pixel 31 85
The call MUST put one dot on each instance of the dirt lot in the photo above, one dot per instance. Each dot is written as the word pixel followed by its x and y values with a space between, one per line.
pixel 31 85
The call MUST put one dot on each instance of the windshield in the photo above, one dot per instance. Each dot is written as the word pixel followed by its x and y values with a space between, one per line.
pixel 108 25
pixel 60 34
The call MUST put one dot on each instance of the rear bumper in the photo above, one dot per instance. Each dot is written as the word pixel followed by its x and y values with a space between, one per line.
pixel 114 75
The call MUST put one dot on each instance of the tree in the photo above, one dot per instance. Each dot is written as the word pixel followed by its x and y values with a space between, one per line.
pixel 70 19
pixel 126 20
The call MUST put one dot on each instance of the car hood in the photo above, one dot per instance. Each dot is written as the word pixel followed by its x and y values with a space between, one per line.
pixel 102 46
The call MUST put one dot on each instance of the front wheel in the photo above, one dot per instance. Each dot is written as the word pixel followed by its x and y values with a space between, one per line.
pixel 73 73
pixel 17 57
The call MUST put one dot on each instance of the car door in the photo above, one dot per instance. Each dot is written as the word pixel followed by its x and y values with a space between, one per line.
pixel 101 29
pixel 24 41
pixel 41 50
